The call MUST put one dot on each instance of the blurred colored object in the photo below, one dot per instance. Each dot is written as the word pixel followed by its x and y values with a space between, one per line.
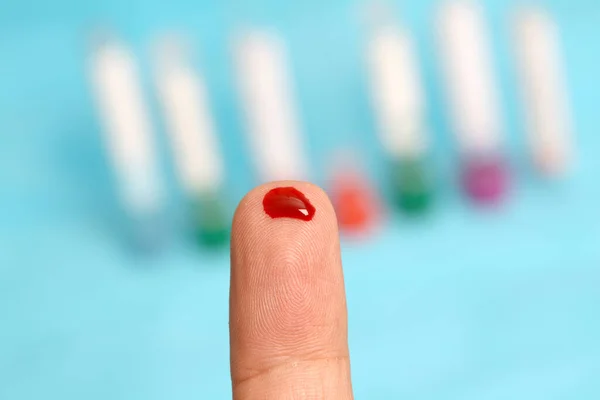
pixel 473 102
pixel 209 221
pixel 193 139
pixel 485 179
pixel 398 101
pixel 411 185
pixel 129 141
pixel 545 95
pixel 354 199
pixel 270 112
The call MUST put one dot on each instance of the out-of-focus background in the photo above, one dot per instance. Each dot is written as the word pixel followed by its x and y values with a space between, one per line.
pixel 463 304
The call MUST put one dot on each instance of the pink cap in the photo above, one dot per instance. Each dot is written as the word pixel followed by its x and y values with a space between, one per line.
pixel 485 179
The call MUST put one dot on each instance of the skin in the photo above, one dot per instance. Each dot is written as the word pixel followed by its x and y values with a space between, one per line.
pixel 287 316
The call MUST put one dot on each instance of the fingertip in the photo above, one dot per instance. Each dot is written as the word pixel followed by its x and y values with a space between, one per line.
pixel 287 299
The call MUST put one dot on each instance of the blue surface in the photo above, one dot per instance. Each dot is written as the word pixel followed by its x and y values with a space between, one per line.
pixel 465 305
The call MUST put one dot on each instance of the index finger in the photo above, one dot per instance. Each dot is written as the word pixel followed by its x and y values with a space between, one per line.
pixel 288 320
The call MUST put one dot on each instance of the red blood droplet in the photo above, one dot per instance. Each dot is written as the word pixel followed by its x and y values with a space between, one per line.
pixel 288 202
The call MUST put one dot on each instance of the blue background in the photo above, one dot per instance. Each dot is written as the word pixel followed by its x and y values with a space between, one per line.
pixel 467 304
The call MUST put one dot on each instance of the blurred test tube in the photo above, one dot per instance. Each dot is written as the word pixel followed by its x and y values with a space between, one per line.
pixel 128 133
pixel 399 104
pixel 184 99
pixel 544 91
pixel 473 100
pixel 270 110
